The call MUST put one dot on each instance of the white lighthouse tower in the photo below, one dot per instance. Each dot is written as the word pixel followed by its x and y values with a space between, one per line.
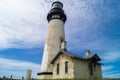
pixel 55 39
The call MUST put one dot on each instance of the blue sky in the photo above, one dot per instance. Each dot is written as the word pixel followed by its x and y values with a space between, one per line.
pixel 91 24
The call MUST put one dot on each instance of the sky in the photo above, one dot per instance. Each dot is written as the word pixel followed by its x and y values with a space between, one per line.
pixel 91 24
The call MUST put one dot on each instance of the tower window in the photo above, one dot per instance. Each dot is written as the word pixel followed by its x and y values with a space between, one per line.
pixel 52 16
pixel 58 67
pixel 66 67
pixel 56 16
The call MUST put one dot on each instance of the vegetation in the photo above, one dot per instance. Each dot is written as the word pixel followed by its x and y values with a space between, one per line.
pixel 64 79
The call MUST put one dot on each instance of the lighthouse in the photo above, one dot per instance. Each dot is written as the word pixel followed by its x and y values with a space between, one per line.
pixel 55 39
pixel 58 62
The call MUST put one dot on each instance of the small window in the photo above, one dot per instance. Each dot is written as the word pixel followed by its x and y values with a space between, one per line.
pixel 66 67
pixel 58 67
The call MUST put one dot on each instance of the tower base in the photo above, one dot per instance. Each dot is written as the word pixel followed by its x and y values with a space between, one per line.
pixel 45 75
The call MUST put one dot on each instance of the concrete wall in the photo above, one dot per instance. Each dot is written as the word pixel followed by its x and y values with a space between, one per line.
pixel 98 71
pixel 61 60
pixel 80 69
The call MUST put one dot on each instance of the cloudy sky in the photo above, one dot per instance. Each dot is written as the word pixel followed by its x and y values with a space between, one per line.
pixel 91 24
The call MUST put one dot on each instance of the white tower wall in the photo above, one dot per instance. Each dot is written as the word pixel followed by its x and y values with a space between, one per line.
pixel 53 42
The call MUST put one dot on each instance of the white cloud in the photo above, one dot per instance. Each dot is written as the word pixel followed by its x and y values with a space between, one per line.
pixel 17 68
pixel 115 75
pixel 106 68
pixel 110 56
pixel 109 71
pixel 22 23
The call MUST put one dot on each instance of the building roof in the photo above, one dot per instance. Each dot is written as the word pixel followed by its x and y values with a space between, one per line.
pixel 94 56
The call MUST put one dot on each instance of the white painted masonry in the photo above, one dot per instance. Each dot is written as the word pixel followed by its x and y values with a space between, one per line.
pixel 53 42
